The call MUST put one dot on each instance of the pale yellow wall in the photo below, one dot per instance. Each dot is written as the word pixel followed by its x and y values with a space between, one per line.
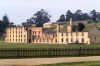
pixel 74 36
pixel 16 35
pixel 93 36
pixel 45 38
pixel 42 37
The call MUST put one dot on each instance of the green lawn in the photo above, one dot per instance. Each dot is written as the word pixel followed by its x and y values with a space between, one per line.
pixel 28 50
pixel 31 45
pixel 75 64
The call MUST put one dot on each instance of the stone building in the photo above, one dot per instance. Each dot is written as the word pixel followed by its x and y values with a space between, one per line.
pixel 94 34
pixel 32 34
pixel 16 35
pixel 72 37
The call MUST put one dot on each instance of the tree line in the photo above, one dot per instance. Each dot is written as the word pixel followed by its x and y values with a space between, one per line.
pixel 4 23
pixel 79 15
pixel 42 16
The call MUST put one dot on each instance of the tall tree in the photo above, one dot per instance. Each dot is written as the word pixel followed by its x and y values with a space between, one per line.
pixel 69 14
pixel 98 16
pixel 5 21
pixel 39 18
pixel 62 18
pixel 85 16
pixel 93 15
pixel 81 26
pixel 1 27
pixel 78 27
pixel 78 15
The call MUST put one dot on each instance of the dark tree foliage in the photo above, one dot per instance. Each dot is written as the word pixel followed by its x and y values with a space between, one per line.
pixel 11 24
pixel 4 23
pixel 98 16
pixel 39 18
pixel 78 27
pixel 93 15
pixel 81 26
pixel 28 22
pixel 85 16
pixel 69 15
pixel 79 15
pixel 62 18
pixel 75 28
pixel 1 27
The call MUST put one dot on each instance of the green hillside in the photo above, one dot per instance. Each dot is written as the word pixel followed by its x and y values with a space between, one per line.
pixel 87 26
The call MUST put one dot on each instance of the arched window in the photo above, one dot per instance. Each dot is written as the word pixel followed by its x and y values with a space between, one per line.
pixel 56 40
pixel 82 40
pixel 62 34
pixel 62 40
pixel 71 39
pixel 66 39
pixel 77 40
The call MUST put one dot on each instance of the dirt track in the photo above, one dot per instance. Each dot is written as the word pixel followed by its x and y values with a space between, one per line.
pixel 39 61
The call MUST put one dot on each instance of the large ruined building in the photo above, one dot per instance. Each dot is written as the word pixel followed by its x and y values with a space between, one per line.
pixel 32 34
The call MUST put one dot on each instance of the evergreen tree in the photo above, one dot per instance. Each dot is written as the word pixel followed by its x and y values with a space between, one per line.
pixel 85 16
pixel 5 21
pixel 78 15
pixel 93 15
pixel 62 18
pixel 69 15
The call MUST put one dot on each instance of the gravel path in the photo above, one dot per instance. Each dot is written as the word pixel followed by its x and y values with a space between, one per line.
pixel 39 61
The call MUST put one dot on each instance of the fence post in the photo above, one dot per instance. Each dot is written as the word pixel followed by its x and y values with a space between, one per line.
pixel 80 51
pixel 18 53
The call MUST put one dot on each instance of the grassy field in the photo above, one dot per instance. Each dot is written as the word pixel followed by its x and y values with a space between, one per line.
pixel 31 45
pixel 75 64
pixel 29 50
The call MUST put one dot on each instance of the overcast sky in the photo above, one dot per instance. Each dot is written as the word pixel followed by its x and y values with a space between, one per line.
pixel 20 10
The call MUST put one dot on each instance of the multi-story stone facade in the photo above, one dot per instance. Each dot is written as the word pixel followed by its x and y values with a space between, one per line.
pixel 16 35
pixel 32 34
